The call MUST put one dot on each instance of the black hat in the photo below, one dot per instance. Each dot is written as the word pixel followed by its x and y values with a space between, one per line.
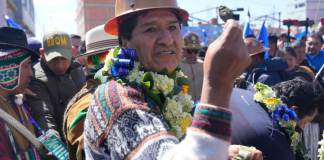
pixel 14 38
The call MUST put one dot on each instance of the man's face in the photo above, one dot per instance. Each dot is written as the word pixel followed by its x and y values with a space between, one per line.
pixel 190 54
pixel 313 45
pixel 26 75
pixel 157 40
pixel 301 54
pixel 291 61
pixel 59 65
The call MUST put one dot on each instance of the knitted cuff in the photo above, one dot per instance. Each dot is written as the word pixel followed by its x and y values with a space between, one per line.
pixel 214 120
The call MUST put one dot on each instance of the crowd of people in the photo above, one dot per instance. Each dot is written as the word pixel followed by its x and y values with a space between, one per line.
pixel 136 88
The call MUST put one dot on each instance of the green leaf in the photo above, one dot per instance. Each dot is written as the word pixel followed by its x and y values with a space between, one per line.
pixel 148 80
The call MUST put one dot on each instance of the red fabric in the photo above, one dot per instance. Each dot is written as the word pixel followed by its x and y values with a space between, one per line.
pixel 5 148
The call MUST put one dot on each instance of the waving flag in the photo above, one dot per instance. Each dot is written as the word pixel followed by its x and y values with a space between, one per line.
pixel 247 28
pixel 263 37
pixel 12 23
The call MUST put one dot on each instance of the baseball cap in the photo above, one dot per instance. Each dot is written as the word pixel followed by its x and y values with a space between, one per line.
pixel 57 44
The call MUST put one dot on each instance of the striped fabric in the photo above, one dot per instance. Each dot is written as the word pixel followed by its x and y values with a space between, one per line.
pixel 214 120
pixel 120 124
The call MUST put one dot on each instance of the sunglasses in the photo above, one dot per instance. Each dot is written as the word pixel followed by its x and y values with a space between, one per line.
pixel 96 59
pixel 191 51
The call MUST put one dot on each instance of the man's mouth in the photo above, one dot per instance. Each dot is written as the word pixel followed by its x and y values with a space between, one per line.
pixel 166 52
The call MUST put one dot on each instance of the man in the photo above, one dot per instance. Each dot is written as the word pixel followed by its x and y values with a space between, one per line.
pixel 273 48
pixel 191 65
pixel 120 122
pixel 314 56
pixel 15 75
pixel 253 125
pixel 57 80
pixel 269 72
pixel 98 44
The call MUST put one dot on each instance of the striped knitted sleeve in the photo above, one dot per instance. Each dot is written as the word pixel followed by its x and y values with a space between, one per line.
pixel 120 125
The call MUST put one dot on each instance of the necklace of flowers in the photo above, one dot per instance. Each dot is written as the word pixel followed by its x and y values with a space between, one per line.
pixel 282 114
pixel 168 91
pixel 321 149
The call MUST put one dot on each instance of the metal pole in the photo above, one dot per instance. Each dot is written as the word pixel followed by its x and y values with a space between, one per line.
pixel 306 25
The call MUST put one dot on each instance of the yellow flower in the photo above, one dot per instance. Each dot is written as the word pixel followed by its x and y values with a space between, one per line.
pixel 185 122
pixel 271 101
pixel 185 89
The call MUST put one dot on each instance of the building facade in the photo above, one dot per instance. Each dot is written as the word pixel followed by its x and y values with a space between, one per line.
pixel 21 11
pixel 91 13
pixel 302 9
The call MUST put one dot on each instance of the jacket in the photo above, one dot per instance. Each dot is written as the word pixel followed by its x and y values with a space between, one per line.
pixel 53 93
pixel 195 73
pixel 271 72
pixel 253 126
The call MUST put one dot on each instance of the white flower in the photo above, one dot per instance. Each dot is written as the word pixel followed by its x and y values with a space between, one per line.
pixel 173 107
pixel 180 74
pixel 184 100
pixel 321 149
pixel 135 75
pixel 163 83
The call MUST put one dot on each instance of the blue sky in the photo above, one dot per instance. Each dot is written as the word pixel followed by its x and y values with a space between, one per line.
pixel 60 14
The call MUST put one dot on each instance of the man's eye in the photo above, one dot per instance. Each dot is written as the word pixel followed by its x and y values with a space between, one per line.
pixel 150 29
pixel 172 28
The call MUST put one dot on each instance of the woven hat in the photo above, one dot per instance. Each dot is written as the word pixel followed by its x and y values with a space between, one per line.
pixel 97 41
pixel 13 51
pixel 191 41
pixel 125 8
pixel 57 44
pixel 254 47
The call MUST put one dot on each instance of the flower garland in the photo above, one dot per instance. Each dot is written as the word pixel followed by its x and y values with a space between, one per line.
pixel 169 92
pixel 321 149
pixel 282 114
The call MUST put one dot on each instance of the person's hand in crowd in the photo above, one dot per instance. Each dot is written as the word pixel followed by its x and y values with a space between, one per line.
pixel 239 152
pixel 226 58
pixel 29 92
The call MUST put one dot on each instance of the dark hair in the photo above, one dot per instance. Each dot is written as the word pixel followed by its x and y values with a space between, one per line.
pixel 273 39
pixel 317 36
pixel 127 24
pixel 301 94
pixel 75 36
pixel 290 51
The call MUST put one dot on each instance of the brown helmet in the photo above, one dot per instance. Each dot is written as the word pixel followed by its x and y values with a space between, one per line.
pixel 254 47
pixel 128 7
pixel 191 41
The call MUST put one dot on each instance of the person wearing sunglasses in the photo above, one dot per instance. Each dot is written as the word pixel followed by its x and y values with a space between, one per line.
pixel 191 65
pixel 97 43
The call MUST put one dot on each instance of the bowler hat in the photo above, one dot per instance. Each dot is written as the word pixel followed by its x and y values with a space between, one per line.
pixel 14 38
pixel 128 7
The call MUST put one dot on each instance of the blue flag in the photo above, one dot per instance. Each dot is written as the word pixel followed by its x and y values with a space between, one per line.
pixel 263 37
pixel 247 30
pixel 11 23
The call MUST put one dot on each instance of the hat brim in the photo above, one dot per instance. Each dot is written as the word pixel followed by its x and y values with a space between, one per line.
pixel 50 56
pixel 90 53
pixel 259 51
pixel 31 52
pixel 111 26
